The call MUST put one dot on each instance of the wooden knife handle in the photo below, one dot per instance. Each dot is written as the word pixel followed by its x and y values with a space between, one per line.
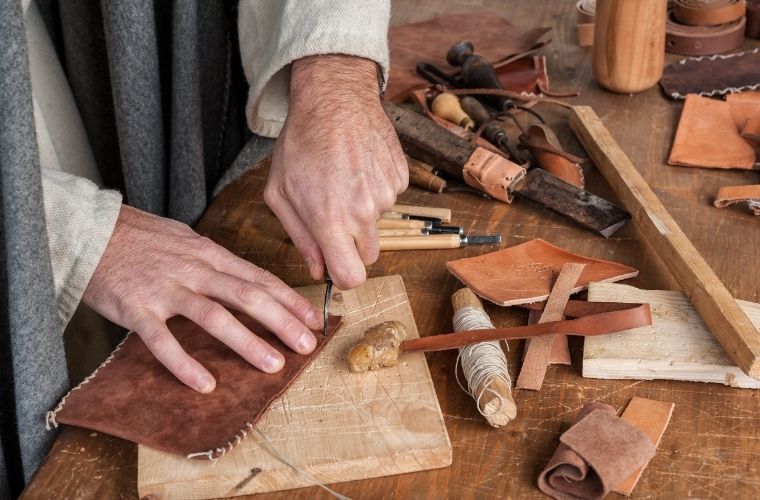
pixel 400 224
pixel 431 242
pixel 421 175
pixel 386 233
pixel 442 213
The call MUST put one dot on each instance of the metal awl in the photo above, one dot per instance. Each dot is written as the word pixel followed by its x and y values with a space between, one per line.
pixel 328 295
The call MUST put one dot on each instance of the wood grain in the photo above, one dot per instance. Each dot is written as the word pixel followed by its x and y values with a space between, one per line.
pixel 710 298
pixel 677 346
pixel 711 444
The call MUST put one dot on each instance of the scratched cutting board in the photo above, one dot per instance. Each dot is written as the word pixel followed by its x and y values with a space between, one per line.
pixel 334 425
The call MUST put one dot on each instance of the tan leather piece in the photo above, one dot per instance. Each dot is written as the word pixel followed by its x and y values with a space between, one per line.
pixel 744 106
pixel 707 137
pixel 543 144
pixel 492 174
pixel 525 273
pixel 707 12
pixel 595 454
pixel 598 318
pixel 650 417
pixel 586 10
pixel 560 354
pixel 728 195
pixel 135 398
pixel 702 40
pixel 751 129
pixel 493 37
pixel 538 350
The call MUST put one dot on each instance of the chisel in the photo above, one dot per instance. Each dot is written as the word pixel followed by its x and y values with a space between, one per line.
pixel 435 242
pixel 403 224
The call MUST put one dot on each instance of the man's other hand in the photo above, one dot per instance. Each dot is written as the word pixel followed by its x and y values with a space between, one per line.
pixel 336 167
pixel 155 268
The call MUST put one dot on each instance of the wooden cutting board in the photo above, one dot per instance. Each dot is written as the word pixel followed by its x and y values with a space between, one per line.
pixel 334 425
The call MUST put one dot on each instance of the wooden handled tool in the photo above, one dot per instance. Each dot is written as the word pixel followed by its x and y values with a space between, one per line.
pixel 421 175
pixel 435 241
pixel 403 224
pixel 446 105
pixel 709 296
pixel 444 214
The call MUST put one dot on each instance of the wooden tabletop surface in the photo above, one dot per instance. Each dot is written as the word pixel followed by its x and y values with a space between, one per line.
pixel 711 447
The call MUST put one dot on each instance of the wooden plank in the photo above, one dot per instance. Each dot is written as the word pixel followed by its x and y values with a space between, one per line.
pixel 696 278
pixel 332 424
pixel 677 346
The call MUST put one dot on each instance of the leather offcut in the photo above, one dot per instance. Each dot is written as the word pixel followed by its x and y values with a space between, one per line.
pixel 753 19
pixel 729 195
pixel 543 144
pixel 134 397
pixel 712 76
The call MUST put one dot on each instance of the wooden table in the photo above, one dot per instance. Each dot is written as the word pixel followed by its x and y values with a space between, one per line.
pixel 710 449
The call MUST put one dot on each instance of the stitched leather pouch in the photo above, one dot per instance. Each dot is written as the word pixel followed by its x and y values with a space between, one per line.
pixel 712 76
pixel 132 396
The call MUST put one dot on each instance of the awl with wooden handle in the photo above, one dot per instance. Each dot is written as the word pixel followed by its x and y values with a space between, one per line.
pixel 489 172
pixel 435 241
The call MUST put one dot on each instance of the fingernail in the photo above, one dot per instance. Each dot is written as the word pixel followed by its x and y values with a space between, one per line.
pixel 273 363
pixel 306 343
pixel 206 384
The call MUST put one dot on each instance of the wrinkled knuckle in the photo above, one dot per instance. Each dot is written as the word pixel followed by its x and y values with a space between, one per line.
pixel 271 195
pixel 264 278
pixel 155 338
pixel 211 315
pixel 354 277
pixel 206 245
pixel 289 325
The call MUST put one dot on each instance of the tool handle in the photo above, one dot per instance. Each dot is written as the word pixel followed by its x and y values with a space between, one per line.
pixel 728 323
pixel 385 233
pixel 441 213
pixel 421 175
pixel 446 105
pixel 431 242
pixel 400 224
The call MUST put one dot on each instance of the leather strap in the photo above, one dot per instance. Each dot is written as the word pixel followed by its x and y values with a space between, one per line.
pixel 586 10
pixel 597 319
pixel 708 12
pixel 728 195
pixel 702 40
pixel 753 19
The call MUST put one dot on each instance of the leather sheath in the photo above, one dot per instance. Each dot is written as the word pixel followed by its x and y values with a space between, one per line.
pixel 707 137
pixel 610 318
pixel 493 37
pixel 712 76
pixel 525 273
pixel 753 19
pixel 702 40
pixel 728 195
pixel 492 174
pixel 586 10
pixel 707 12
pixel 598 452
pixel 134 397
pixel 543 144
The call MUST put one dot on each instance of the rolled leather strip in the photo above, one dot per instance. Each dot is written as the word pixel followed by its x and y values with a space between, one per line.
pixel 708 12
pixel 586 10
pixel 702 40
pixel 598 452
pixel 728 195
pixel 753 19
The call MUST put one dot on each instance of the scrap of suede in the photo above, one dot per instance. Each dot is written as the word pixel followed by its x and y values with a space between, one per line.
pixel 135 398
pixel 712 76
pixel 524 273
pixel 492 36
pixel 595 455
pixel 707 137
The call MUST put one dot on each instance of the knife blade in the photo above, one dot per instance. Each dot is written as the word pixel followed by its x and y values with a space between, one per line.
pixel 326 304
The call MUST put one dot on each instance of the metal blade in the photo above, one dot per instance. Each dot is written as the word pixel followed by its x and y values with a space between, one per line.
pixel 481 240
pixel 586 209
pixel 326 305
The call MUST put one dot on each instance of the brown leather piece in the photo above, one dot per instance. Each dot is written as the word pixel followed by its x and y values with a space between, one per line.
pixel 753 19
pixel 744 106
pixel 599 451
pixel 600 319
pixel 751 129
pixel 493 174
pixel 728 195
pixel 709 76
pixel 560 354
pixel 707 137
pixel 702 40
pixel 525 273
pixel 650 417
pixel 429 41
pixel 586 10
pixel 707 12
pixel 538 350
pixel 135 398
pixel 543 144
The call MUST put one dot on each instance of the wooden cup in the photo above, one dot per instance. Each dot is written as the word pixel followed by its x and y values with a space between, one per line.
pixel 629 44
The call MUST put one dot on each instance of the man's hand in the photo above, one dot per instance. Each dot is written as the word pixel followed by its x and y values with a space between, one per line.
pixel 155 268
pixel 336 167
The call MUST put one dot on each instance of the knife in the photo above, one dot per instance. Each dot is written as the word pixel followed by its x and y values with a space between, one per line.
pixel 328 296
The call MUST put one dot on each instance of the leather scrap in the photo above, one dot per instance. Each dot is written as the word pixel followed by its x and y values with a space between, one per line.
pixel 538 350
pixel 600 318
pixel 650 417
pixel 525 273
pixel 586 12
pixel 712 76
pixel 753 19
pixel 560 354
pixel 729 195
pixel 598 452
pixel 707 137
pixel 134 397
pixel 493 36
pixel 702 40
pixel 543 144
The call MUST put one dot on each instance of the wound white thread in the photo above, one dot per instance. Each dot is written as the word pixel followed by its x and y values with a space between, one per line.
pixel 479 361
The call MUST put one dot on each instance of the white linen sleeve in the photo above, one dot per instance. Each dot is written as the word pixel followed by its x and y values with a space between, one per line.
pixel 273 34
pixel 80 218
